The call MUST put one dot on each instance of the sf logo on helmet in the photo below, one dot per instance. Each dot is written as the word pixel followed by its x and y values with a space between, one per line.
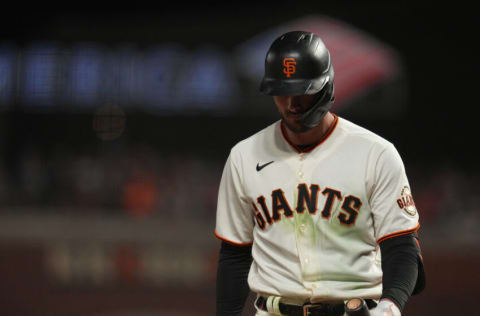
pixel 289 66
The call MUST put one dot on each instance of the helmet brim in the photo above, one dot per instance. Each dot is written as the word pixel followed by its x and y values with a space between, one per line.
pixel 292 86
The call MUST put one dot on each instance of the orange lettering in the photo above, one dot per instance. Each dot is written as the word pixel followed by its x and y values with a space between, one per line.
pixel 289 66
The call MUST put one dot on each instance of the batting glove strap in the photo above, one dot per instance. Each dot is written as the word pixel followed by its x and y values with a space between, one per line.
pixel 385 308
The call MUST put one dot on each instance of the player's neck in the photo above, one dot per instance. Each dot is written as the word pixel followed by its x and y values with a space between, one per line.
pixel 314 135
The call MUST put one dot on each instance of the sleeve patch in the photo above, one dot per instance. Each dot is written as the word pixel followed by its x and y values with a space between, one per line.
pixel 405 201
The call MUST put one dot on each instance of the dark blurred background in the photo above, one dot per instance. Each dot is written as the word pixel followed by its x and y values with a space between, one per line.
pixel 115 125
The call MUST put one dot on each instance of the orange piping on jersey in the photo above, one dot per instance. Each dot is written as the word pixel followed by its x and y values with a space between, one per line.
pixel 231 242
pixel 400 233
pixel 324 137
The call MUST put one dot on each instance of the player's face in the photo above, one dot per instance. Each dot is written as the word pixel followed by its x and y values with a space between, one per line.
pixel 292 108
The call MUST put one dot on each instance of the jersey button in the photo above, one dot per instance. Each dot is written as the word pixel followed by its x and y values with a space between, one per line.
pixel 306 260
pixel 302 227
pixel 300 174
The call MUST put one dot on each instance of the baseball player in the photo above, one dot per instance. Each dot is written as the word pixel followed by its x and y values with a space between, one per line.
pixel 314 210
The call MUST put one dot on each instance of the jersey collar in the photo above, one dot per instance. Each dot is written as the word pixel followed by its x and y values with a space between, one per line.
pixel 329 132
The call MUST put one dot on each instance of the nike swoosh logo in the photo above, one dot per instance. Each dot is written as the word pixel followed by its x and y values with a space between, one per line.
pixel 263 166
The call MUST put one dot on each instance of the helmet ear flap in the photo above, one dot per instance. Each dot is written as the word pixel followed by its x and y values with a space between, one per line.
pixel 314 115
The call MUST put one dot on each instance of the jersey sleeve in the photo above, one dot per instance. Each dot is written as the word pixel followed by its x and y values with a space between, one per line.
pixel 234 222
pixel 391 201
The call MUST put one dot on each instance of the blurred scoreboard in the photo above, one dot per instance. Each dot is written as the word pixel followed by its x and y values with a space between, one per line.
pixel 171 78
pixel 166 78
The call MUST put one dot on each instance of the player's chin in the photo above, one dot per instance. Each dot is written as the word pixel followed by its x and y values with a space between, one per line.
pixel 295 125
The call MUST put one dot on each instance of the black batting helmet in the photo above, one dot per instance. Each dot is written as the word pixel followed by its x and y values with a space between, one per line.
pixel 298 63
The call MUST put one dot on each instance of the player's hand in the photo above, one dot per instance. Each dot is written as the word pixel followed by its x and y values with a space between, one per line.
pixel 385 308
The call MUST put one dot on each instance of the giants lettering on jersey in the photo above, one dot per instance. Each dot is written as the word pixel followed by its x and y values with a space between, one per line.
pixel 307 200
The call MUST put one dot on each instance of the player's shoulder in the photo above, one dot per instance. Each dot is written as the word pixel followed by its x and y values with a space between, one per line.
pixel 360 134
pixel 251 143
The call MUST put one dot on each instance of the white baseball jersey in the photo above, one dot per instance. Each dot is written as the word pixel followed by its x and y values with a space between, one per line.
pixel 315 219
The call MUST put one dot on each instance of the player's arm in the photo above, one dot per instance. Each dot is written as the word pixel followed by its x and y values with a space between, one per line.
pixel 234 227
pixel 232 286
pixel 403 273
pixel 396 222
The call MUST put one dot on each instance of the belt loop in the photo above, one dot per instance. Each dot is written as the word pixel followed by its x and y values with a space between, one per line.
pixel 273 305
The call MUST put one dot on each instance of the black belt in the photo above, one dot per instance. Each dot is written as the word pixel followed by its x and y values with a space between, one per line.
pixel 307 309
